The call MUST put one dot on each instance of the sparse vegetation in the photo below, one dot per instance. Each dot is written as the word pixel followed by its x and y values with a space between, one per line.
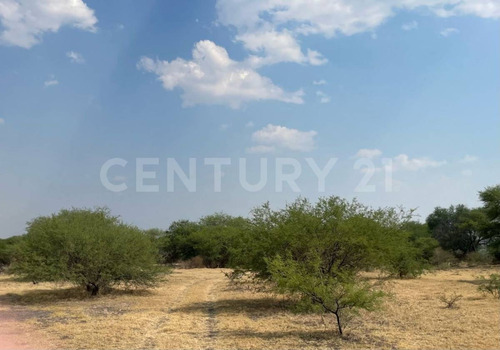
pixel 490 285
pixel 451 301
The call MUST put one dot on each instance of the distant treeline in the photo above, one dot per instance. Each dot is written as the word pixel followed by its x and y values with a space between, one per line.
pixel 448 236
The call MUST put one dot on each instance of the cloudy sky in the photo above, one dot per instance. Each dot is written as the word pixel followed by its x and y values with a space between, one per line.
pixel 413 83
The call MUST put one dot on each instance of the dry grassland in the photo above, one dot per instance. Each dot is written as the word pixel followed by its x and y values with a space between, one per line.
pixel 201 309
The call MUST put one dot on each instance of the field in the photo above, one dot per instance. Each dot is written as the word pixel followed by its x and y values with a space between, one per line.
pixel 201 309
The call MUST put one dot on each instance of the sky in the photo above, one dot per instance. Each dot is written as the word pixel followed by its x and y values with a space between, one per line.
pixel 167 110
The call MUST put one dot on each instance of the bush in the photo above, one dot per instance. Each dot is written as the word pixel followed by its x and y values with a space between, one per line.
pixel 89 248
pixel 478 258
pixel 317 251
pixel 443 259
pixel 491 285
pixel 451 300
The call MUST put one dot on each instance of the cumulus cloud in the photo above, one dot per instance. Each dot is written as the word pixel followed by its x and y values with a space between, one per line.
pixel 448 31
pixel 250 124
pixel 275 137
pixel 212 77
pixel 323 98
pixel 24 22
pixel 368 153
pixel 272 29
pixel 2 121
pixel 404 162
pixel 277 47
pixel 410 26
pixel 75 57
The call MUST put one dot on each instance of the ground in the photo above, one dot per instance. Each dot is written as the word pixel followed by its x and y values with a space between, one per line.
pixel 202 309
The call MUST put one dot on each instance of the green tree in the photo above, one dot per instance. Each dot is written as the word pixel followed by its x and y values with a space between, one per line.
pixel 491 201
pixel 177 243
pixel 318 251
pixel 90 248
pixel 7 248
pixel 458 228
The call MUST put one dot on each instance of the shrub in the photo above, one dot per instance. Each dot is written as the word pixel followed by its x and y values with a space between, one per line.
pixel 443 259
pixel 491 285
pixel 317 251
pixel 478 258
pixel 451 301
pixel 89 248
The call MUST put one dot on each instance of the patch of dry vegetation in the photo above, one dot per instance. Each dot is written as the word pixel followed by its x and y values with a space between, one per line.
pixel 200 308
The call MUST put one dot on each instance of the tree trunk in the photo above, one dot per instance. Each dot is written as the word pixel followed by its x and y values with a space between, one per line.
pixel 339 324
pixel 93 289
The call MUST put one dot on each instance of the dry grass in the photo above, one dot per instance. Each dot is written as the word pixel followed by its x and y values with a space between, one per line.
pixel 199 308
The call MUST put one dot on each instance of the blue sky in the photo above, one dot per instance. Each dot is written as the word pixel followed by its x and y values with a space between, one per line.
pixel 82 82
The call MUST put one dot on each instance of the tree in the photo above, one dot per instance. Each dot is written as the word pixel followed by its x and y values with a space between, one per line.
pixel 318 251
pixel 7 247
pixel 90 248
pixel 458 228
pixel 177 243
pixel 490 197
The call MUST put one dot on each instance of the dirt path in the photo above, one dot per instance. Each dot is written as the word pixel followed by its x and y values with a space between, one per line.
pixel 15 334
pixel 189 314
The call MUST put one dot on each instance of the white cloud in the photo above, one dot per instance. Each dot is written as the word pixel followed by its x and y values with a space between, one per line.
pixel 276 137
pixel 323 98
pixel 410 26
pixel 319 82
pixel 467 173
pixel 24 22
pixel 469 159
pixel 51 82
pixel 224 127
pixel 212 77
pixel 250 124
pixel 75 57
pixel 448 31
pixel 272 29
pixel 403 162
pixel 368 153
pixel 277 47
pixel 2 121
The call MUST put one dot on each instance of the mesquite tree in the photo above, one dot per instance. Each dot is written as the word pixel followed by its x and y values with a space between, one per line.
pixel 90 248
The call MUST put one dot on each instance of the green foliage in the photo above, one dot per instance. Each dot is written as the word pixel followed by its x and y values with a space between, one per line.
pixel 491 200
pixel 459 229
pixel 212 238
pixel 317 251
pixel 490 285
pixel 421 238
pixel 89 248
pixel 338 292
pixel 177 243
pixel 7 248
